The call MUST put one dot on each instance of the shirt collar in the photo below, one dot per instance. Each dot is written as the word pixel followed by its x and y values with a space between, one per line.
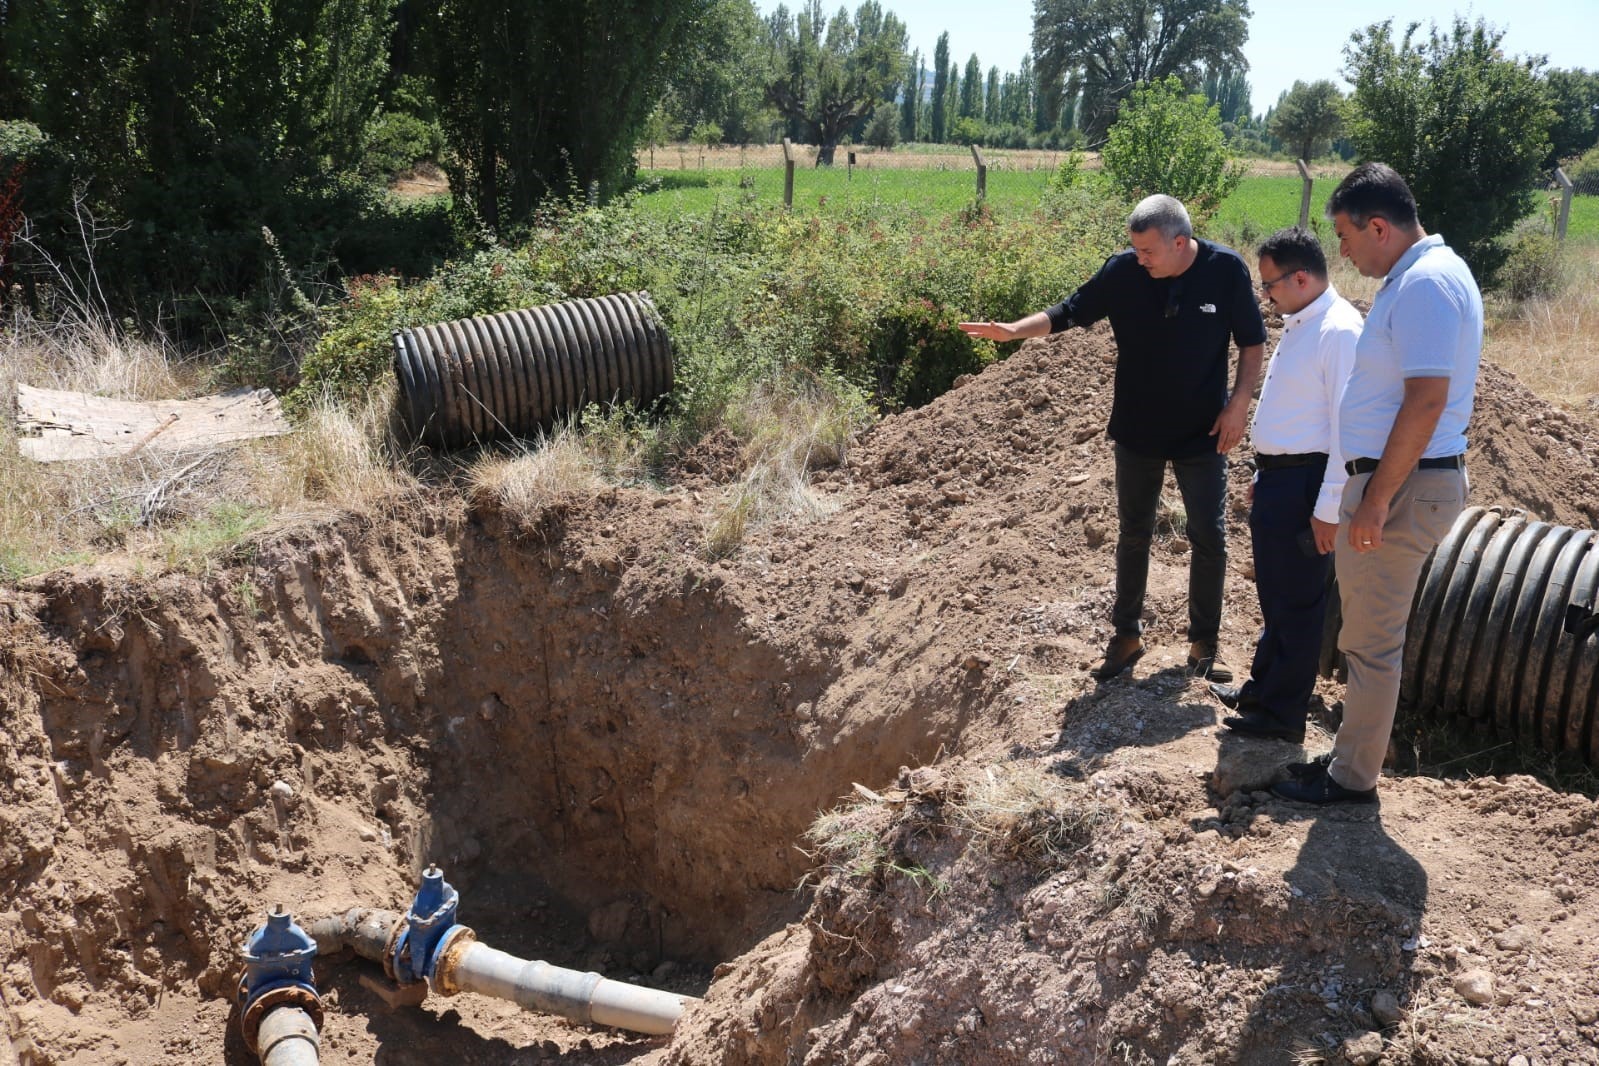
pixel 1413 253
pixel 1313 309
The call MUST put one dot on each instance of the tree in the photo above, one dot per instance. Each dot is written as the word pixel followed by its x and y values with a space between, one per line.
pixel 721 73
pixel 991 98
pixel 1464 125
pixel 1118 44
pixel 832 73
pixel 540 99
pixel 347 68
pixel 882 131
pixel 1308 117
pixel 971 105
pixel 910 107
pixel 1166 140
pixel 1574 94
pixel 1228 89
pixel 940 120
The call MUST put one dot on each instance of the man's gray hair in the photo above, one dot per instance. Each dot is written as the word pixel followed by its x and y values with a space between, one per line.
pixel 1161 212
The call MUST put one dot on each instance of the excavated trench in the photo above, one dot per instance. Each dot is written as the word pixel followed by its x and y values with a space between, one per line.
pixel 613 748
pixel 582 728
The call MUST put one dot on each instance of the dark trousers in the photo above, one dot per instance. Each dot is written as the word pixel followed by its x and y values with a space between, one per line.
pixel 1202 480
pixel 1291 581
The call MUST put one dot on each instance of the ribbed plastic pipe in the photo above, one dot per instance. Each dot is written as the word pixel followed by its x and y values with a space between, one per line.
pixel 1501 631
pixel 514 373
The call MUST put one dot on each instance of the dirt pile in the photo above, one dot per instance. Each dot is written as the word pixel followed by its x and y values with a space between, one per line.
pixel 614 748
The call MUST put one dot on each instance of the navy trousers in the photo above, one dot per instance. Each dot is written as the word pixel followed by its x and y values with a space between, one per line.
pixel 1291 580
pixel 1202 481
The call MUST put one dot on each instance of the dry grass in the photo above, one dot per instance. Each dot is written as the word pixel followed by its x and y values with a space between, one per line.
pixel 182 510
pixel 527 484
pixel 1027 813
pixel 1552 345
pixel 787 436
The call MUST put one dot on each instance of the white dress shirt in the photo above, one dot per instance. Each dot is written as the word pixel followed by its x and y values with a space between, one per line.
pixel 1298 409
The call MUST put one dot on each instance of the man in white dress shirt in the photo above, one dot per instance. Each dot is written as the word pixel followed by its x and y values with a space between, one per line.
pixel 1293 515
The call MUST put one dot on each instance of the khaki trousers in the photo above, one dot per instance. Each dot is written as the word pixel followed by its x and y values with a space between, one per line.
pixel 1377 588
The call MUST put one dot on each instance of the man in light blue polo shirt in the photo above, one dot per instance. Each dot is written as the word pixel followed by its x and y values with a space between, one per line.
pixel 1402 426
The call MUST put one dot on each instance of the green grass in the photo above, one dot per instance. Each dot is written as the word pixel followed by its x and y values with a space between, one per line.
pixel 1259 206
pixel 936 190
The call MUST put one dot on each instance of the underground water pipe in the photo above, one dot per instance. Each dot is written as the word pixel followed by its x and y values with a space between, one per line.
pixel 426 944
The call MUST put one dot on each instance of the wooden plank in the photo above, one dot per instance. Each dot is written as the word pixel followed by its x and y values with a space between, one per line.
pixel 55 425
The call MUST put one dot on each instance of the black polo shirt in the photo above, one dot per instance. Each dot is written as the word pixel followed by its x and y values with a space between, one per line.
pixel 1171 341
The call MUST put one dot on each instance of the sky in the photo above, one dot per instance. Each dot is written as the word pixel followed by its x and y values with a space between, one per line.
pixel 1288 40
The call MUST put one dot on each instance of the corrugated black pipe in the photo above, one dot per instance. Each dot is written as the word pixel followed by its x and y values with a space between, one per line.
pixel 1504 632
pixel 514 373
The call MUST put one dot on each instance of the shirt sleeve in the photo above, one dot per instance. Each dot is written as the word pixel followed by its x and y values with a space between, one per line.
pixel 1249 328
pixel 1337 358
pixel 1424 325
pixel 1089 304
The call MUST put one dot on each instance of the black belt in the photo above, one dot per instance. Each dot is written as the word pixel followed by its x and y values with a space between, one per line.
pixel 1442 462
pixel 1267 461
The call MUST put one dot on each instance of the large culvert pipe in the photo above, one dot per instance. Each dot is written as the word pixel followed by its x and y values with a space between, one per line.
pixel 510 374
pixel 1502 632
pixel 1499 635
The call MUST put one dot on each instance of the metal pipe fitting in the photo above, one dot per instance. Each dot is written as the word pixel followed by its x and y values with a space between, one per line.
pixel 426 944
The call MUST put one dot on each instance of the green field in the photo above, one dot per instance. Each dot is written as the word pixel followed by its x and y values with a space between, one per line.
pixel 1259 206
pixel 936 191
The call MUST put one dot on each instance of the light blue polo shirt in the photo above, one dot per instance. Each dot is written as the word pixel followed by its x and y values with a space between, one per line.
pixel 1425 322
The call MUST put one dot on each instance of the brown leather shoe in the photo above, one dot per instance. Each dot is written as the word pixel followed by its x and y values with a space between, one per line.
pixel 1202 662
pixel 1121 653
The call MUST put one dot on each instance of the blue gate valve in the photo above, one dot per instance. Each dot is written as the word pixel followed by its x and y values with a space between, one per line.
pixel 427 925
pixel 277 971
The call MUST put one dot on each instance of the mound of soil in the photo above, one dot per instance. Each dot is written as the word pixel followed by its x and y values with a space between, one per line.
pixel 614 749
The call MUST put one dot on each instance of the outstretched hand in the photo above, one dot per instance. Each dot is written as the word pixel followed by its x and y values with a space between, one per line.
pixel 992 331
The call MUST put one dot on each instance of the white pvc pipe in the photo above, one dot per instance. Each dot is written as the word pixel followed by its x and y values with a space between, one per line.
pixel 586 998
pixel 288 1037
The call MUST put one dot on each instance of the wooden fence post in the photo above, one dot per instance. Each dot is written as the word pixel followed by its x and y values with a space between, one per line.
pixel 788 173
pixel 1566 189
pixel 982 174
pixel 1304 197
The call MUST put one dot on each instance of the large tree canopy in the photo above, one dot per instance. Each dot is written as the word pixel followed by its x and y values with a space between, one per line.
pixel 1465 125
pixel 1308 117
pixel 541 97
pixel 1113 45
pixel 830 73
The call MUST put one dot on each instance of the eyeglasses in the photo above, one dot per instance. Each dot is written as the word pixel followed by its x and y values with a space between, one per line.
pixel 1265 286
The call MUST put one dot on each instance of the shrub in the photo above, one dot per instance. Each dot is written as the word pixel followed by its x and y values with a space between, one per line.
pixel 1166 140
pixel 1584 172
pixel 1532 268
pixel 1465 125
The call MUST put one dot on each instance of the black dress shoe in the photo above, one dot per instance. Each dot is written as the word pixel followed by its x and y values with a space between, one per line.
pixel 1315 766
pixel 1232 696
pixel 1261 724
pixel 1321 790
pixel 1121 653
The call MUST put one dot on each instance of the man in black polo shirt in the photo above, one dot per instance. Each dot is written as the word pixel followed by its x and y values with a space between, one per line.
pixel 1174 303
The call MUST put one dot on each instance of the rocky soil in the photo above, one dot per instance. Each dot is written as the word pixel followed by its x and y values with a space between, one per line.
pixel 615 748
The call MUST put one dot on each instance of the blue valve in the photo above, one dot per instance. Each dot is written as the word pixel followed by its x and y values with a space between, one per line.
pixel 277 955
pixel 431 917
pixel 277 972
